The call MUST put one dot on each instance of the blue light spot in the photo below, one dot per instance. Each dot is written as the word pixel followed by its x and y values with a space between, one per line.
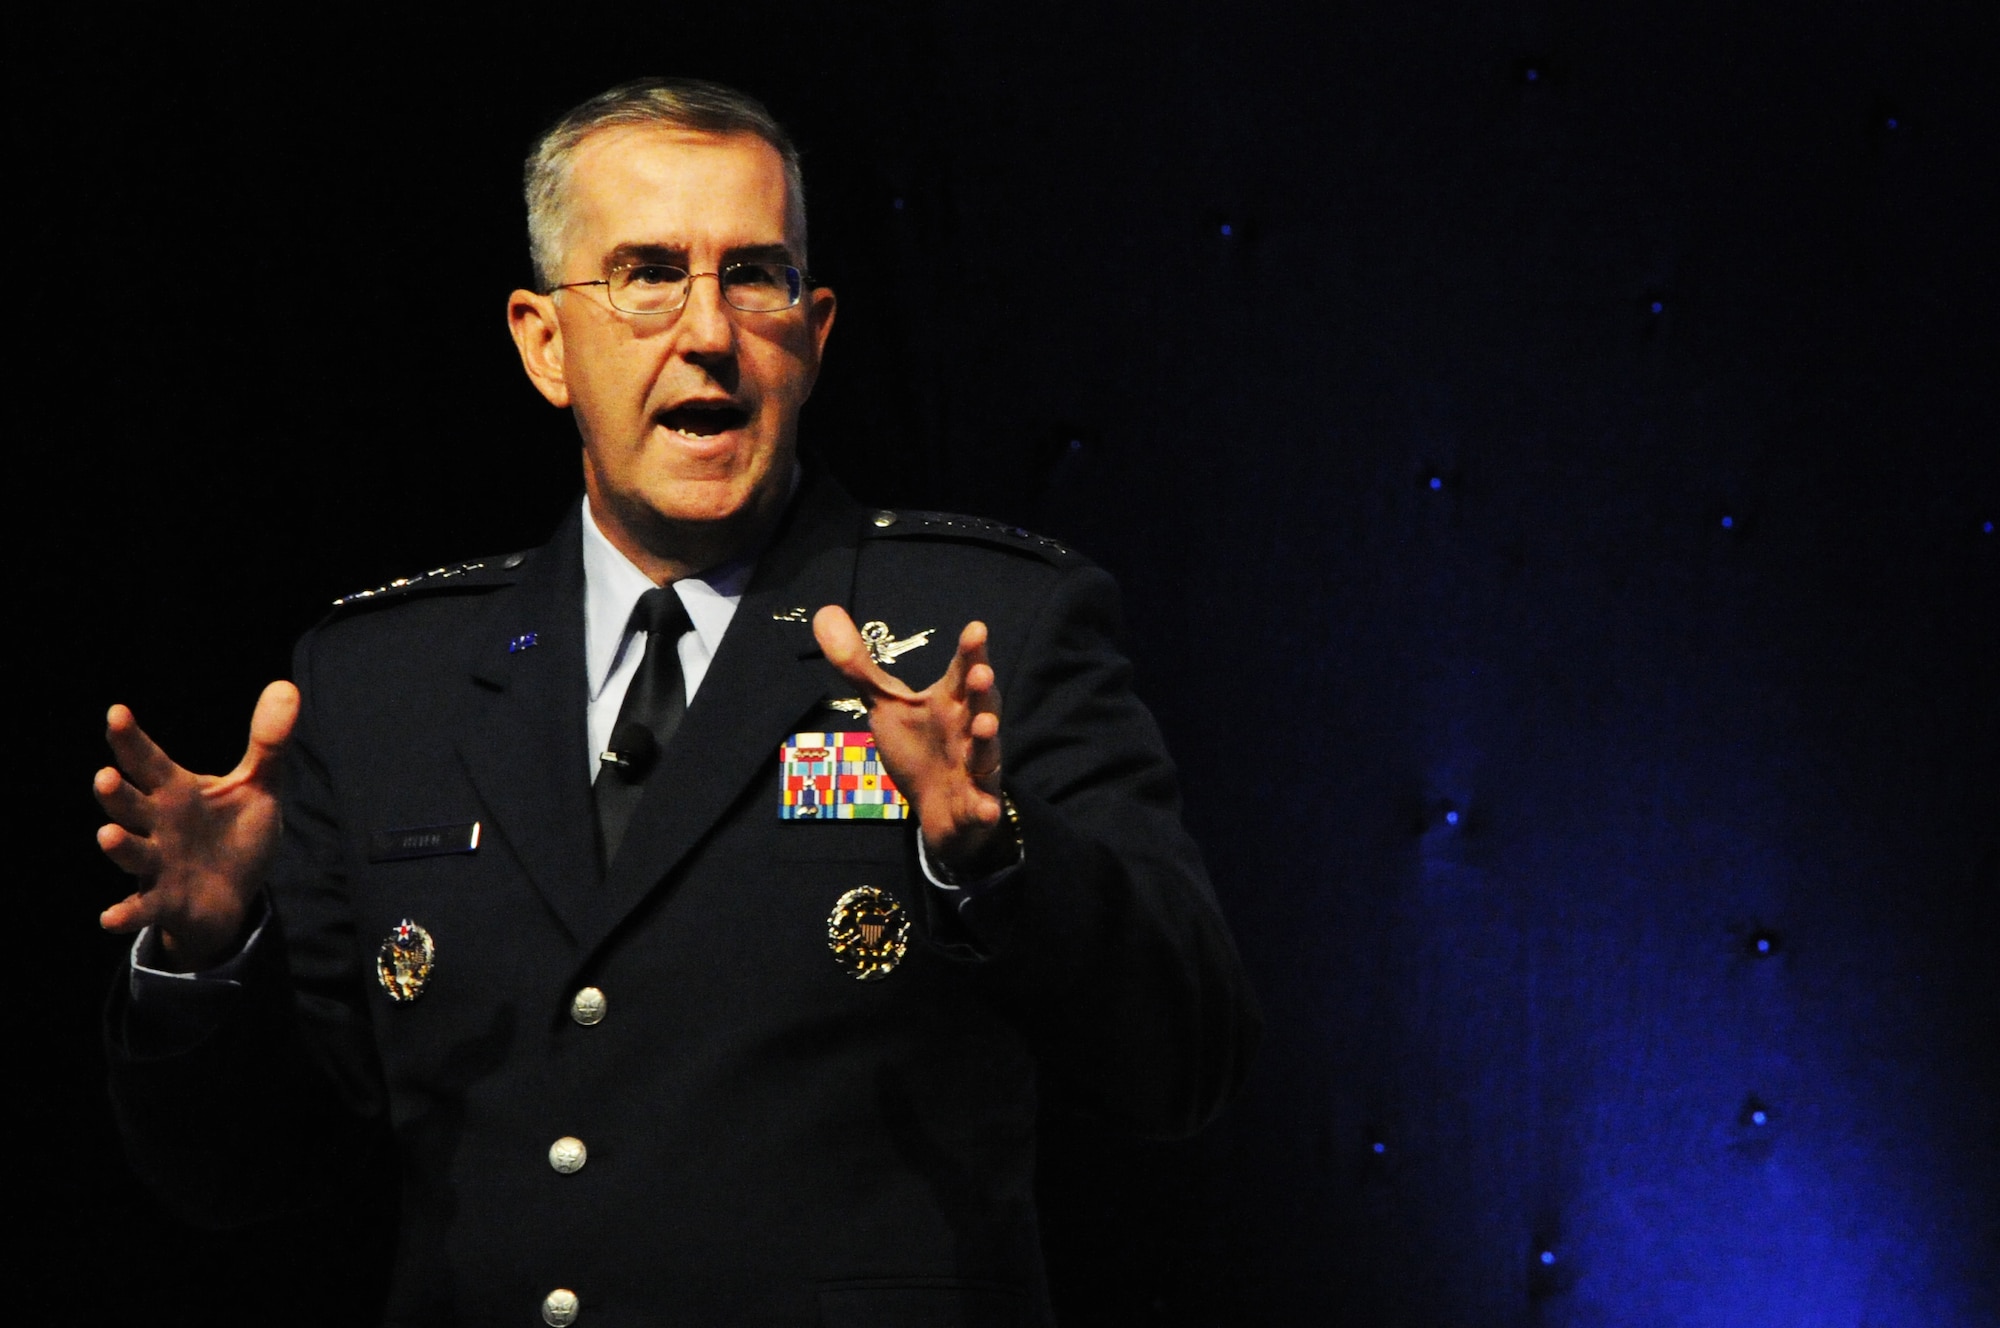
pixel 1381 1148
pixel 1076 444
pixel 898 205
pixel 1988 527
pixel 1763 945
pixel 1759 1118
pixel 1729 523
pixel 1451 818
pixel 1548 1256
pixel 1228 229
pixel 1534 74
pixel 1892 122
pixel 1437 482
pixel 1658 307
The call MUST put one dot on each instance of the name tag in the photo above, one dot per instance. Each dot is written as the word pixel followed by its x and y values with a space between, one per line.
pixel 836 777
pixel 423 841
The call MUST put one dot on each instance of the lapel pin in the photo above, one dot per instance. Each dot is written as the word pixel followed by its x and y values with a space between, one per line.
pixel 404 962
pixel 868 932
pixel 795 614
pixel 525 641
pixel 849 705
pixel 883 646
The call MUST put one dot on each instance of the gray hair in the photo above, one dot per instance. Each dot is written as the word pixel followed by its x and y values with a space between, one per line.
pixel 676 103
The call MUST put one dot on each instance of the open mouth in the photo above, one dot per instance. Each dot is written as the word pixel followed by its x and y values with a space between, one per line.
pixel 704 419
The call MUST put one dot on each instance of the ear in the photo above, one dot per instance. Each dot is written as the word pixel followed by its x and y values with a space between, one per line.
pixel 537 329
pixel 820 305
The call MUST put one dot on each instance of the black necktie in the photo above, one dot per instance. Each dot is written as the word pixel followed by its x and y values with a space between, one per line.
pixel 647 719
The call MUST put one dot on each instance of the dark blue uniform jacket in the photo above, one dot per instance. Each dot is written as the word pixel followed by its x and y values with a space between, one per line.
pixel 769 1139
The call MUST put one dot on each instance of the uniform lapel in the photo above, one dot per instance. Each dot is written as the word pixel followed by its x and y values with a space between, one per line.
pixel 524 734
pixel 766 676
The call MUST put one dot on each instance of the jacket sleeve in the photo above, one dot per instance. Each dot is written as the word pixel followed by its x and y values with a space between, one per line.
pixel 1108 941
pixel 271 1096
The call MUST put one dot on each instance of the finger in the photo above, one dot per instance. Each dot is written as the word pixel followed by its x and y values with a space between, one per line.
pixel 133 854
pixel 982 695
pixel 843 647
pixel 982 700
pixel 970 654
pixel 271 726
pixel 982 756
pixel 136 754
pixel 121 802
pixel 981 690
pixel 129 914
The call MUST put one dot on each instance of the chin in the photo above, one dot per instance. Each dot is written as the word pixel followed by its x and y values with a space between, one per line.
pixel 710 502
pixel 704 510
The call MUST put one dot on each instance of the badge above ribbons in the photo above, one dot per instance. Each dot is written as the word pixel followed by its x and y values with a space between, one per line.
pixel 836 777
pixel 404 962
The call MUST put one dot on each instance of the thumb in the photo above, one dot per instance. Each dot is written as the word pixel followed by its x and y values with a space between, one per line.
pixel 270 729
pixel 844 649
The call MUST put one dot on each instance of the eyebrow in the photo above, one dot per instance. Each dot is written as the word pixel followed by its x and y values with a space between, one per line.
pixel 677 255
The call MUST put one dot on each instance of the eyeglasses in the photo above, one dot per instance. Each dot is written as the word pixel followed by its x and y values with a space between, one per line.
pixel 657 288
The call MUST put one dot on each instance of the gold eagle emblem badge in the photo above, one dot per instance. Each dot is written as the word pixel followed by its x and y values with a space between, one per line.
pixel 868 932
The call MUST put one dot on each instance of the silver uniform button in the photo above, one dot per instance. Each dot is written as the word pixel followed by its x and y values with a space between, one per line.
pixel 559 1307
pixel 568 1155
pixel 587 1007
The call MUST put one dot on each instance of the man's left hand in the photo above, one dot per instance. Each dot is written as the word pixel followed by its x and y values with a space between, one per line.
pixel 940 745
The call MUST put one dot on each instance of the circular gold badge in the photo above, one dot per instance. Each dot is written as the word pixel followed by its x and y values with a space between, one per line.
pixel 404 962
pixel 868 932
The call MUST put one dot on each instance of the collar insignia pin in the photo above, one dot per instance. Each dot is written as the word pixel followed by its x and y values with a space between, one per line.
pixel 883 646
pixel 525 641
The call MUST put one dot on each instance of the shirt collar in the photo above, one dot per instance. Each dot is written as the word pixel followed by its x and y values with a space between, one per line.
pixel 612 584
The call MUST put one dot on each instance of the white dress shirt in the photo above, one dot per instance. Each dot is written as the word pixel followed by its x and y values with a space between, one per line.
pixel 611 586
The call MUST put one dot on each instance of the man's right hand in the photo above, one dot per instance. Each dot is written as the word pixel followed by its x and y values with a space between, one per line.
pixel 199 844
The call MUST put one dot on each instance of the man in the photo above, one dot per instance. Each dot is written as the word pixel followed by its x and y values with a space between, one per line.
pixel 627 945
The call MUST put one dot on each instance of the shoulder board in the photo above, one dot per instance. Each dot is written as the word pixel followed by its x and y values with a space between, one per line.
pixel 885 524
pixel 468 575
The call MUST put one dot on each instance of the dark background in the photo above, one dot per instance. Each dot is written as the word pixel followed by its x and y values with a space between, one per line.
pixel 1549 452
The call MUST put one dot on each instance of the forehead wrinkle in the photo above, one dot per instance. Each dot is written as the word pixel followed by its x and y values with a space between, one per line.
pixel 789 247
pixel 653 251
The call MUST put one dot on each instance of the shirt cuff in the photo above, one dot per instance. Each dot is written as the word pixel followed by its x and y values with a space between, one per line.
pixel 177 1010
pixel 964 892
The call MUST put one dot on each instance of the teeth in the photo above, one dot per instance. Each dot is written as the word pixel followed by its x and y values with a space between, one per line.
pixel 700 421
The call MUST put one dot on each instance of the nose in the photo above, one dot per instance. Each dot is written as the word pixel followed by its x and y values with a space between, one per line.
pixel 705 328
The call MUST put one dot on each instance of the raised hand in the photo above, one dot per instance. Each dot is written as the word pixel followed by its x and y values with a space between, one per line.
pixel 941 745
pixel 199 844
